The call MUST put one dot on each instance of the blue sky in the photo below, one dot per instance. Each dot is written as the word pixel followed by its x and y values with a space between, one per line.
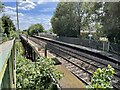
pixel 31 12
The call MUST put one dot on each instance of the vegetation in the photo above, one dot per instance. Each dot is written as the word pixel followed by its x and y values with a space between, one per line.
pixel 72 17
pixel 66 18
pixel 35 75
pixel 7 28
pixel 1 7
pixel 102 79
pixel 35 29
pixel 7 25
pixel 111 21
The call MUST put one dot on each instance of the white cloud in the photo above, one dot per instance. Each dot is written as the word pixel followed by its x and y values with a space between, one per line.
pixel 47 9
pixel 27 20
pixel 27 2
pixel 11 8
pixel 10 11
pixel 40 1
pixel 27 5
pixel 43 1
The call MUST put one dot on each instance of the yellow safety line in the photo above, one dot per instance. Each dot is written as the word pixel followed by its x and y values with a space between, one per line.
pixel 5 64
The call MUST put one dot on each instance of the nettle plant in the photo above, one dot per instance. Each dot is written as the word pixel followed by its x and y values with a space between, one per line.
pixel 102 78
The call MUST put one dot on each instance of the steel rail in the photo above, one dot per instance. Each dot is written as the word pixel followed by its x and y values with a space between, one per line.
pixel 59 46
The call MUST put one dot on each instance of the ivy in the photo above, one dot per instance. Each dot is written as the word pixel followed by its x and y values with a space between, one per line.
pixel 102 79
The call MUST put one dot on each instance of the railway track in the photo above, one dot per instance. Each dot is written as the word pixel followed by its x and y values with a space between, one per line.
pixel 81 64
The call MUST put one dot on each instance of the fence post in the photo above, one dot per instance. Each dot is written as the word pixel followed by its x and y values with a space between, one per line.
pixel 103 45
pixel 45 50
pixel 108 46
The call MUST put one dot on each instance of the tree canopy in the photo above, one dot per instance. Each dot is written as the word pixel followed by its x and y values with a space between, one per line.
pixel 111 21
pixel 66 18
pixel 1 6
pixel 7 25
pixel 35 29
pixel 72 17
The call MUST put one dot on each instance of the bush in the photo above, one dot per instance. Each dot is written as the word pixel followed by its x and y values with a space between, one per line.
pixel 102 79
pixel 13 34
pixel 35 75
pixel 4 38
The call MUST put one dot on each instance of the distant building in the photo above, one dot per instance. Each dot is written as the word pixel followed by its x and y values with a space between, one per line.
pixel 86 31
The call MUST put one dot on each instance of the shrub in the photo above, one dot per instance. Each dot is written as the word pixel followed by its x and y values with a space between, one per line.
pixel 35 75
pixel 102 78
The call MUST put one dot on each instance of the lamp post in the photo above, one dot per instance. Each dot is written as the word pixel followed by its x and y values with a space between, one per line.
pixel 90 36
pixel 17 16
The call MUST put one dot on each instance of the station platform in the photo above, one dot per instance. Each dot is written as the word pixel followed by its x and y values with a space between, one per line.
pixel 4 51
pixel 111 56
pixel 104 53
pixel 7 71
pixel 69 81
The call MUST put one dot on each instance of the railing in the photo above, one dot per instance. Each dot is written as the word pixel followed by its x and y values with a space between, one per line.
pixel 67 50
pixel 99 45
pixel 7 57
pixel 32 54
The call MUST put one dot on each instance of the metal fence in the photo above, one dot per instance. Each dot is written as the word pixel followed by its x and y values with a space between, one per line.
pixel 7 56
pixel 99 45
pixel 87 43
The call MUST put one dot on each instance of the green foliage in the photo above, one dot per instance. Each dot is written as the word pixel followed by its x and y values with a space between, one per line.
pixel 111 21
pixel 70 17
pixel 102 79
pixel 67 18
pixel 7 28
pixel 50 30
pixel 19 48
pixel 1 7
pixel 24 32
pixel 13 34
pixel 1 28
pixel 7 25
pixel 4 38
pixel 35 29
pixel 35 75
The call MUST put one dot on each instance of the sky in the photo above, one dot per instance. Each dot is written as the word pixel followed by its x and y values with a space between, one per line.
pixel 31 12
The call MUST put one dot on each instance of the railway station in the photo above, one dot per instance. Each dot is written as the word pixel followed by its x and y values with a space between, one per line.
pixel 59 45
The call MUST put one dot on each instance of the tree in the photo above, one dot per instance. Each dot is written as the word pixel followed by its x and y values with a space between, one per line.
pixel 111 21
pixel 104 17
pixel 1 28
pixel 35 29
pixel 67 18
pixel 92 21
pixel 50 31
pixel 1 7
pixel 7 25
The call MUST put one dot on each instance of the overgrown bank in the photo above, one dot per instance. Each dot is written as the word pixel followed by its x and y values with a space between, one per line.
pixel 35 75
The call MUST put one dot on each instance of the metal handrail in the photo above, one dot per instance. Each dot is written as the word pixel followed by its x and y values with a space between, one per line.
pixel 7 54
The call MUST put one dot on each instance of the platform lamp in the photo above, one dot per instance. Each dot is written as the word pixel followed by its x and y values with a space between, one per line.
pixel 90 37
